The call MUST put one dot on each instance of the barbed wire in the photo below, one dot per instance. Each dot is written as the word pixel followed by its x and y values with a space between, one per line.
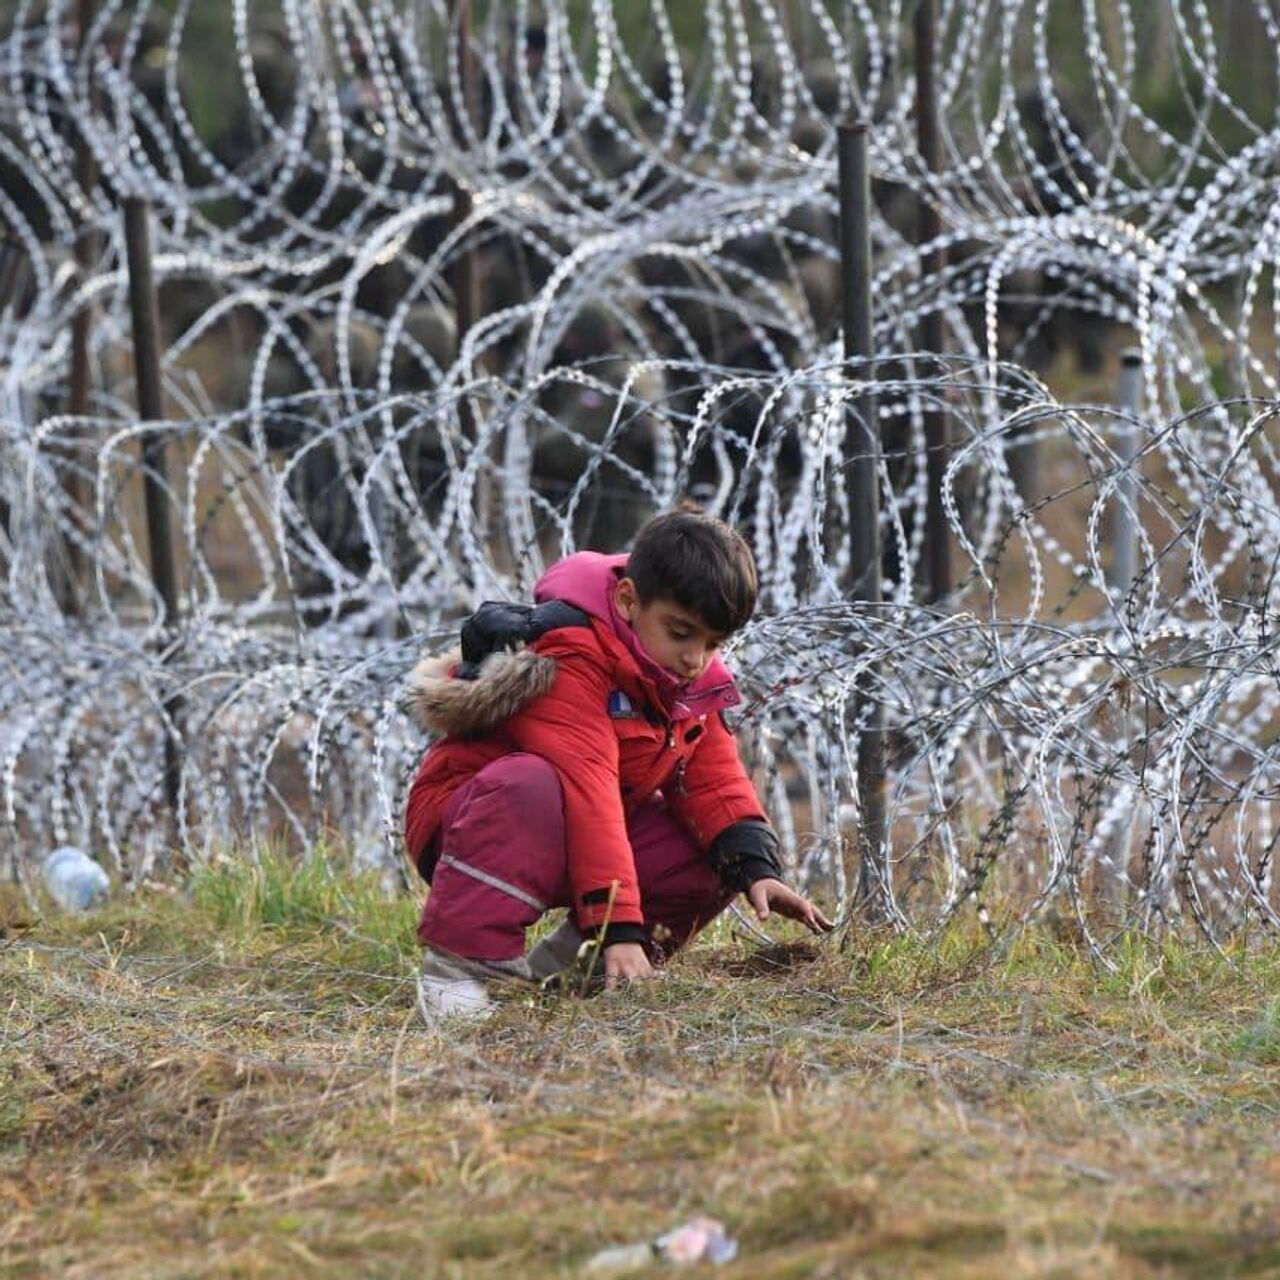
pixel 1084 725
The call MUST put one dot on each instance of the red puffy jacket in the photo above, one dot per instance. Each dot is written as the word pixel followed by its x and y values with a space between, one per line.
pixel 598 718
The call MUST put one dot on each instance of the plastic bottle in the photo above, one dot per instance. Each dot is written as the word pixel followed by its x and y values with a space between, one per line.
pixel 75 881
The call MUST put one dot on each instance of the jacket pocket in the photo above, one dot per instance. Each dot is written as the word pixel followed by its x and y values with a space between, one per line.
pixel 635 729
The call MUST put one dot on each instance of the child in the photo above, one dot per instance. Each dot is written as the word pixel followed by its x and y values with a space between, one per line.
pixel 591 769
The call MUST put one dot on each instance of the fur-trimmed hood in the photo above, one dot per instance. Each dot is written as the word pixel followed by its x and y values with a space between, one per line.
pixel 441 703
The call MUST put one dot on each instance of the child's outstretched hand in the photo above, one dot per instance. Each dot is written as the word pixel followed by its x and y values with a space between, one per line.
pixel 767 894
pixel 625 962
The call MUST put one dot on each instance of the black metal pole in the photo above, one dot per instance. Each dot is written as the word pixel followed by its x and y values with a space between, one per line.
pixel 937 426
pixel 11 267
pixel 468 289
pixel 1128 444
pixel 465 272
pixel 12 292
pixel 86 176
pixel 145 311
pixel 863 444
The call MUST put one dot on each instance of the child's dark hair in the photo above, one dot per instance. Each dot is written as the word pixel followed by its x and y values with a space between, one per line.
pixel 701 563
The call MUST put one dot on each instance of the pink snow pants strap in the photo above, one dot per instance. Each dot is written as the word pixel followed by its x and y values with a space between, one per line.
pixel 503 863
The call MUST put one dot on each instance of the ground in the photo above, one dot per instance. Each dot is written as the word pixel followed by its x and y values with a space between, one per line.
pixel 231 1081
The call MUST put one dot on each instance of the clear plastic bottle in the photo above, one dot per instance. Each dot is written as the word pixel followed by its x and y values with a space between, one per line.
pixel 74 880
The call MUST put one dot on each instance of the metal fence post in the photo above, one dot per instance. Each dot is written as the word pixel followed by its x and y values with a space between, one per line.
pixel 13 288
pixel 144 309
pixel 1124 530
pixel 863 444
pixel 87 247
pixel 465 272
pixel 937 426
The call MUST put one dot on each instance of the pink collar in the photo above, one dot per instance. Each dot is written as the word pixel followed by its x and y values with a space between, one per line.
pixel 681 700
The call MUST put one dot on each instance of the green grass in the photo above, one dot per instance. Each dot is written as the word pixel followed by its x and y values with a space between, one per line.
pixel 231 1081
pixel 245 899
pixel 1261 1042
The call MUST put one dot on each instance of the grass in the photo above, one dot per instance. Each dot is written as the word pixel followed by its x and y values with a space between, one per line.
pixel 232 1082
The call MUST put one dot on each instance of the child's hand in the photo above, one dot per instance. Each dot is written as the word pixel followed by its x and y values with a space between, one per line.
pixel 767 893
pixel 625 962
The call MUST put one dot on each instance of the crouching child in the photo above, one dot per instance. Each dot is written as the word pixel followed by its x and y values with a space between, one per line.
pixel 585 763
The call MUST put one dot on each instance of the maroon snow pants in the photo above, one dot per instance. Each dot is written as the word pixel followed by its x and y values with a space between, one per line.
pixel 500 863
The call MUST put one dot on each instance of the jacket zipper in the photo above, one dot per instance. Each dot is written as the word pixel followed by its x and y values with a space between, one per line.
pixel 650 784
pixel 678 778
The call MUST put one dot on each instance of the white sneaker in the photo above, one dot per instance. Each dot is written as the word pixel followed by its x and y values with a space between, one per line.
pixel 450 986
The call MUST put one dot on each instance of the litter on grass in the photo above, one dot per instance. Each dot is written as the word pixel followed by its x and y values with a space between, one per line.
pixel 74 880
pixel 698 1240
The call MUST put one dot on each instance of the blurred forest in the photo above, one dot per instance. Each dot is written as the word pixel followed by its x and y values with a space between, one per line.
pixel 1169 83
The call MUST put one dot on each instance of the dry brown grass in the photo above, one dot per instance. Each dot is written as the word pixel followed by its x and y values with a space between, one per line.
pixel 234 1084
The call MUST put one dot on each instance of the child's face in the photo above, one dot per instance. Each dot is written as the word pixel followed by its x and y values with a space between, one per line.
pixel 672 636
